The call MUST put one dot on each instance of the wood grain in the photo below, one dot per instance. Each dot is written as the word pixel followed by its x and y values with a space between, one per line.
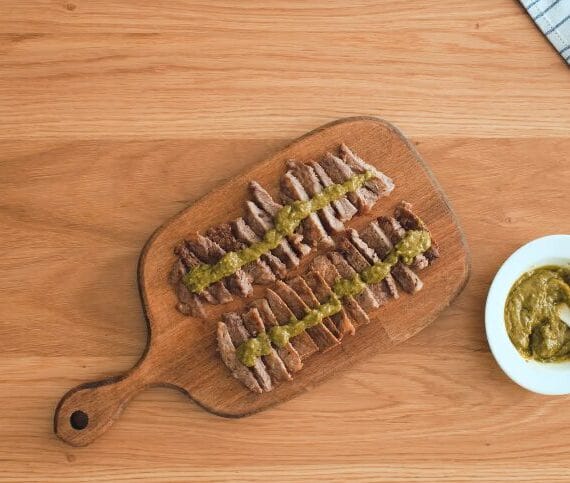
pixel 83 141
pixel 181 351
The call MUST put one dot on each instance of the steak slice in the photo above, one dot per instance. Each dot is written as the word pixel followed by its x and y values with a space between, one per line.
pixel 275 366
pixel 357 260
pixel 276 265
pixel 211 293
pixel 263 199
pixel 220 292
pixel 229 357
pixel 310 182
pixel 325 339
pixel 239 335
pixel 339 172
pixel 296 241
pixel 323 292
pixel 319 334
pixel 177 272
pixel 271 207
pixel 376 239
pixel 394 231
pixel 410 221
pixel 243 232
pixel 386 288
pixel 188 303
pixel 209 252
pixel 381 184
pixel 366 298
pixel 313 230
pixel 260 222
pixel 186 309
pixel 257 271
pixel 326 268
pixel 408 280
pixel 288 353
pixel 345 209
pixel 239 283
pixel 303 343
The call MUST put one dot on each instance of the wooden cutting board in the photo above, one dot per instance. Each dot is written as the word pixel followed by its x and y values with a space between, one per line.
pixel 181 350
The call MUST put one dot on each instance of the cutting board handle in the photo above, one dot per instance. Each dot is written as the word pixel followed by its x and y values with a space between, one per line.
pixel 88 410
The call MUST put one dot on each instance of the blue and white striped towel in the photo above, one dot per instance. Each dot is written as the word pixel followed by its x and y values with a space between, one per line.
pixel 553 18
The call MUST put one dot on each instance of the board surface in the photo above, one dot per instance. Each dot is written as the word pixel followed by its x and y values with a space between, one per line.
pixel 181 350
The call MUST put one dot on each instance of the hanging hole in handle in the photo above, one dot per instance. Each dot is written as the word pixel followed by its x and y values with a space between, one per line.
pixel 79 420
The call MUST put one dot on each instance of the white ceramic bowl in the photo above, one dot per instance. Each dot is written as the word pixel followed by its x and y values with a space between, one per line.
pixel 543 378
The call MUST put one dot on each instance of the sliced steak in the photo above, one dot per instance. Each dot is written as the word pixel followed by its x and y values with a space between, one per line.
pixel 323 292
pixel 409 281
pixel 362 246
pixel 258 271
pixel 359 262
pixel 393 230
pixel 326 268
pixel 296 241
pixel 410 221
pixel 421 261
pixel 345 209
pixel 339 172
pixel 325 339
pixel 229 357
pixel 238 283
pixel 239 335
pixel 381 184
pixel 260 222
pixel 263 199
pixel 366 298
pixel 310 182
pixel 271 207
pixel 220 293
pixel 302 288
pixel 177 273
pixel 208 252
pixel 276 265
pixel 275 366
pixel 209 294
pixel 288 353
pixel 303 343
pixel 186 309
pixel 376 239
pixel 188 303
pixel 313 230
pixel 244 233
pixel 387 288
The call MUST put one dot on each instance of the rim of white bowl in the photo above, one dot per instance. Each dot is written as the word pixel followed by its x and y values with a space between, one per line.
pixel 542 378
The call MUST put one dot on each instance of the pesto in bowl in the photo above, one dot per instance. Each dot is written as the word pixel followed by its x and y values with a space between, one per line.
pixel 531 314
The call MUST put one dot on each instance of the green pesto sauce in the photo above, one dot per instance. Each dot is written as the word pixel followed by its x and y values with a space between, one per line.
pixel 531 314
pixel 417 241
pixel 286 222
pixel 413 243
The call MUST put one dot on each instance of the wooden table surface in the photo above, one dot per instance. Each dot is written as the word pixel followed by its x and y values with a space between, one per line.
pixel 116 115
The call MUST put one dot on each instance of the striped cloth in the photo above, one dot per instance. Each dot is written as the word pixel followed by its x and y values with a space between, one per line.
pixel 553 18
